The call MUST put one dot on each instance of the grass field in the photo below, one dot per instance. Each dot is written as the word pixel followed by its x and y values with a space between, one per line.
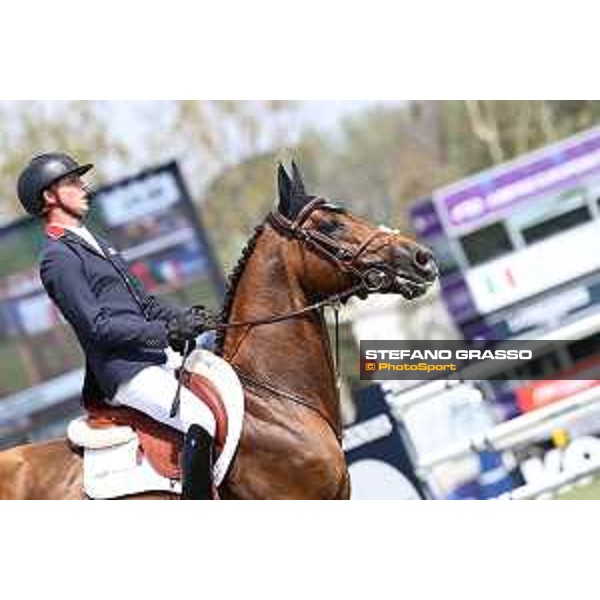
pixel 587 492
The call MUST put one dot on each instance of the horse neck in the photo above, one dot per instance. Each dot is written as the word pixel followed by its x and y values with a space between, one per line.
pixel 293 355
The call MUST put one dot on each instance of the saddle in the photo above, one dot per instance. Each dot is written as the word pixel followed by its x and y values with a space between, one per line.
pixel 160 444
pixel 126 452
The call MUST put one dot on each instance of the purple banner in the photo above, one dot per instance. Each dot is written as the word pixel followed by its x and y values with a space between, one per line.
pixel 425 219
pixel 457 297
pixel 493 191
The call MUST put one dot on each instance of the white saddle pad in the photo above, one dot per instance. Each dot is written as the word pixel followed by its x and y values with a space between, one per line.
pixel 118 471
pixel 112 465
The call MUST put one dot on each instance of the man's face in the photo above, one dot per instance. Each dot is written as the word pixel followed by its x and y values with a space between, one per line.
pixel 72 192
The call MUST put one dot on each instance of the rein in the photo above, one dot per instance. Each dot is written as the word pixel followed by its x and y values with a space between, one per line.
pixel 333 300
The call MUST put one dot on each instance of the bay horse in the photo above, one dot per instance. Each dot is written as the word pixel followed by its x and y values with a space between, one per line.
pixel 307 253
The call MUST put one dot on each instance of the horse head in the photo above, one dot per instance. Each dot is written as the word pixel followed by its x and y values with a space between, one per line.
pixel 343 254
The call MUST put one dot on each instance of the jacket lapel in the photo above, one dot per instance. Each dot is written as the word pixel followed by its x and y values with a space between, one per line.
pixel 110 253
pixel 108 250
pixel 57 232
pixel 73 237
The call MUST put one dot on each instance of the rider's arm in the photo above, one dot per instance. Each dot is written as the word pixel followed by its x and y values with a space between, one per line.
pixel 157 309
pixel 65 281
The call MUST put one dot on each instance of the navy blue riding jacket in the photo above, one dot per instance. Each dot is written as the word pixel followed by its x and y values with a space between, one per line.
pixel 119 326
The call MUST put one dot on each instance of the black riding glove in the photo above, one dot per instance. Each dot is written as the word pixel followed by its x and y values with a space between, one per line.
pixel 181 330
pixel 188 326
pixel 204 319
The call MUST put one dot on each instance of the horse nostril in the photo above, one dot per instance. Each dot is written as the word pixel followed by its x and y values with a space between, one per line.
pixel 423 258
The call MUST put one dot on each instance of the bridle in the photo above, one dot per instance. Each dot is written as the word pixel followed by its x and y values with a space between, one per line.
pixel 375 279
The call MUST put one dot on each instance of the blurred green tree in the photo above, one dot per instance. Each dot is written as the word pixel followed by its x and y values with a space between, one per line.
pixel 228 150
pixel 379 160
pixel 480 133
pixel 209 137
pixel 383 159
pixel 27 128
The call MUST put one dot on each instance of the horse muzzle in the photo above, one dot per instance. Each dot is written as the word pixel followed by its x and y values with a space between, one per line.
pixel 414 279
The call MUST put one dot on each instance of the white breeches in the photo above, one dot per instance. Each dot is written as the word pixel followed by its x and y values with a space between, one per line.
pixel 152 391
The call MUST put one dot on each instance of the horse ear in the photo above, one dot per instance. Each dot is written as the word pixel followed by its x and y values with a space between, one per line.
pixel 284 184
pixel 292 196
pixel 297 183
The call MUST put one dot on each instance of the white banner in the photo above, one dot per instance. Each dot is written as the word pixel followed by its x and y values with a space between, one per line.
pixel 535 269
pixel 141 197
pixel 36 314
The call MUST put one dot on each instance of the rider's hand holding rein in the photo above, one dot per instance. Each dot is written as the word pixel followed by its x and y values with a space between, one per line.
pixel 185 328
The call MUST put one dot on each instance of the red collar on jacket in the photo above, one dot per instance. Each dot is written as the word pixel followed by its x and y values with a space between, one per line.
pixel 55 231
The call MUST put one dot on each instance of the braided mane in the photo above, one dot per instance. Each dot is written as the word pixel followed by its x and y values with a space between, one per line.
pixel 232 283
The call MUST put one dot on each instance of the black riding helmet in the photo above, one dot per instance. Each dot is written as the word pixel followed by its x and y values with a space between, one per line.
pixel 41 173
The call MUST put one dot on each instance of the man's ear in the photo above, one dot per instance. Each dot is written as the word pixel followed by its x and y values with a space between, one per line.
pixel 50 199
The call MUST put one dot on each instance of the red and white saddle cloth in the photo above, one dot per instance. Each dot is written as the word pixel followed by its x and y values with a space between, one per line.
pixel 126 452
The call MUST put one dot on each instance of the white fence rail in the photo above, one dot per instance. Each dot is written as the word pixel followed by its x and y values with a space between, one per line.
pixel 519 430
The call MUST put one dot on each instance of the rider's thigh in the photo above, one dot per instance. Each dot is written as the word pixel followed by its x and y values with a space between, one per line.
pixel 152 391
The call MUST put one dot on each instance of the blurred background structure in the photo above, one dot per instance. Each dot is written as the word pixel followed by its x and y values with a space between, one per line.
pixel 180 185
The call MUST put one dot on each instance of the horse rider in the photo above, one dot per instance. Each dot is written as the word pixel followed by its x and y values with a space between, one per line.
pixel 124 332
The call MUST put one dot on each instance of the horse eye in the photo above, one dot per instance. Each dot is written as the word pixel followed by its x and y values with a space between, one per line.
pixel 334 208
pixel 329 227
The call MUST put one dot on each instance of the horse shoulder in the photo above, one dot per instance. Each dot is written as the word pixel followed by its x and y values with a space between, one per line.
pixel 306 460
